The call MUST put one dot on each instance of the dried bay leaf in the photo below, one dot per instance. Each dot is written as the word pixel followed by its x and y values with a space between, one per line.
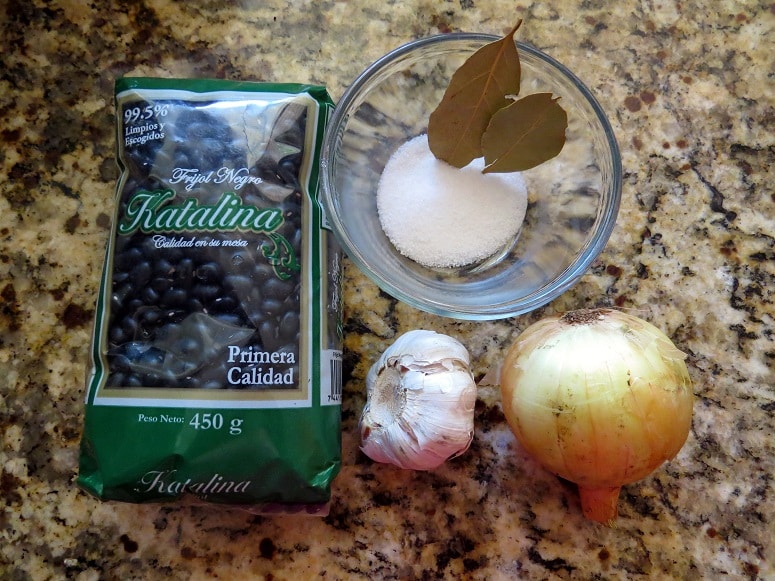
pixel 480 116
pixel 476 91
pixel 524 134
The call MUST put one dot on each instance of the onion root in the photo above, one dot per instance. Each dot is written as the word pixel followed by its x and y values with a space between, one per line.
pixel 600 504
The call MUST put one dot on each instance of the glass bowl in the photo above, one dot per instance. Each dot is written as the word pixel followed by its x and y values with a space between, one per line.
pixel 573 199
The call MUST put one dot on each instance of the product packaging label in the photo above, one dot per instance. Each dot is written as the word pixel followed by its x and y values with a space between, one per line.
pixel 216 353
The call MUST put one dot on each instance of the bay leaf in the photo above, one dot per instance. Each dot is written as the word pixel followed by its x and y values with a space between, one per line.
pixel 524 134
pixel 476 91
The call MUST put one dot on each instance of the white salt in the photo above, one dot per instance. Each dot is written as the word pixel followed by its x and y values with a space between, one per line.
pixel 442 216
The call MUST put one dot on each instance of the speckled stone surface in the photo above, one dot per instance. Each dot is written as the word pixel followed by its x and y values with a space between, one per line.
pixel 689 89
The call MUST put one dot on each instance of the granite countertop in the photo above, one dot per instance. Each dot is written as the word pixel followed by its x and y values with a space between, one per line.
pixel 688 87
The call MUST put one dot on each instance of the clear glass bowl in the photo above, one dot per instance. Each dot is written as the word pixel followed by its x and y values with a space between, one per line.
pixel 573 199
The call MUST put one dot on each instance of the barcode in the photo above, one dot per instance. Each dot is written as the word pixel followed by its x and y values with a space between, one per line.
pixel 331 378
pixel 336 379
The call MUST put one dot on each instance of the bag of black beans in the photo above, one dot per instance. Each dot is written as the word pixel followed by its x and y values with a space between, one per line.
pixel 216 354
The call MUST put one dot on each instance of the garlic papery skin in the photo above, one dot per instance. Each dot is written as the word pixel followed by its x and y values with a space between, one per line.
pixel 420 402
pixel 598 397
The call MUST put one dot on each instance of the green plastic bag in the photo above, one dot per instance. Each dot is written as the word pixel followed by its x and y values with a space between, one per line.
pixel 216 352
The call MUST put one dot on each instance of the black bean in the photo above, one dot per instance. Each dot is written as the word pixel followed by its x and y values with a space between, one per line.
pixel 161 284
pixel 134 380
pixel 152 357
pixel 263 272
pixel 229 319
pixel 241 262
pixel 224 304
pixel 296 242
pixel 150 315
pixel 174 315
pixel 287 169
pixel 185 270
pixel 188 346
pixel 117 379
pixel 117 336
pixel 289 326
pixel 241 284
pixel 156 289
pixel 149 295
pixel 174 255
pixel 127 259
pixel 292 302
pixel 190 382
pixel 206 292
pixel 274 288
pixel 269 334
pixel 120 277
pixel 272 307
pixel 153 380
pixel 119 295
pixel 209 272
pixel 120 361
pixel 130 326
pixel 163 266
pixel 141 273
pixel 174 297
pixel 212 384
pixel 213 376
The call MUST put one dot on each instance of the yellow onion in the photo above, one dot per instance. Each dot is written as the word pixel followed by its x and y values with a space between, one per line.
pixel 598 397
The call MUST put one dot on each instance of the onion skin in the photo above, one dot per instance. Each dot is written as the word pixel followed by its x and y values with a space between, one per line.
pixel 598 397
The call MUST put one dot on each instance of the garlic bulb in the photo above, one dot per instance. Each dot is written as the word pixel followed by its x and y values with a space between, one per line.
pixel 599 397
pixel 420 402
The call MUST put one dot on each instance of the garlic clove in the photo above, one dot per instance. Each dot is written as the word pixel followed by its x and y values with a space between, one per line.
pixel 420 402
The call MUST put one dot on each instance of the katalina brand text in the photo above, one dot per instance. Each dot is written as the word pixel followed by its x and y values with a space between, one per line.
pixel 192 177
pixel 164 482
pixel 150 211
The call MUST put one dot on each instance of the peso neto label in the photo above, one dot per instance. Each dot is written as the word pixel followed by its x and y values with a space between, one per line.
pixel 215 327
